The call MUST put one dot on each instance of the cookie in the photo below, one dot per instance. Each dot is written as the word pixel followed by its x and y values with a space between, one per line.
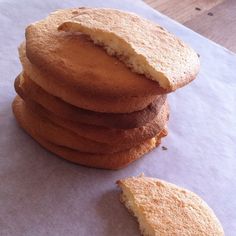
pixel 142 45
pixel 74 59
pixel 29 90
pixel 112 161
pixel 106 161
pixel 120 137
pixel 163 208
pixel 77 97
pixel 43 127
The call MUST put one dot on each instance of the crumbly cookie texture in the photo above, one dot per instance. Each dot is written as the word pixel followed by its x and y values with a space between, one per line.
pixel 143 46
pixel 163 208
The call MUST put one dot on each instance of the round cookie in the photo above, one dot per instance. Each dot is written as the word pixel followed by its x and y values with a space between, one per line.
pixel 61 136
pixel 111 161
pixel 105 161
pixel 163 208
pixel 144 46
pixel 79 98
pixel 29 90
pixel 74 59
pixel 108 136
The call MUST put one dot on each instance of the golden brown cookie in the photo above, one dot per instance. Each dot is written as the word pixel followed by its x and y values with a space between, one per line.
pixel 144 46
pixel 112 161
pixel 120 137
pixel 59 135
pixel 74 59
pixel 29 90
pixel 163 208
pixel 86 100
pixel 105 161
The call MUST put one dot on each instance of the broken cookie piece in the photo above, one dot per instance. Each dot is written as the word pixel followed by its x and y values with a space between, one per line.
pixel 162 208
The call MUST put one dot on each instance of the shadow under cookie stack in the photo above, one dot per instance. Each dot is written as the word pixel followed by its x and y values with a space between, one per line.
pixel 82 104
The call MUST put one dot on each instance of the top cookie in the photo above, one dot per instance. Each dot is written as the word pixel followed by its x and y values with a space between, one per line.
pixel 143 46
pixel 76 60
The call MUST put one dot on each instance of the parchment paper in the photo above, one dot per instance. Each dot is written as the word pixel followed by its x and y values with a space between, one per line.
pixel 41 194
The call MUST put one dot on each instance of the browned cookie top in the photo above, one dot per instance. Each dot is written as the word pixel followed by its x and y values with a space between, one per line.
pixel 75 60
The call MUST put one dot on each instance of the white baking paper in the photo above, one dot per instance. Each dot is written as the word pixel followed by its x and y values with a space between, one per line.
pixel 41 194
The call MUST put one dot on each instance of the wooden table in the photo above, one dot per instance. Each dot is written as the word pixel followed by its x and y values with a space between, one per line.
pixel 214 19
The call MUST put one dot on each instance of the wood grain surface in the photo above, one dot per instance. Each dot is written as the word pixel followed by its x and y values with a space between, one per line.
pixel 214 19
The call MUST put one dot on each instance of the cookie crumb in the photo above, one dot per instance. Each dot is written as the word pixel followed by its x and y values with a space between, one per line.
pixel 198 9
pixel 164 148
pixel 210 14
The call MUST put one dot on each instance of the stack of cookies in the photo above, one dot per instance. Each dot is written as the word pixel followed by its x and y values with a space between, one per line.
pixel 90 99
